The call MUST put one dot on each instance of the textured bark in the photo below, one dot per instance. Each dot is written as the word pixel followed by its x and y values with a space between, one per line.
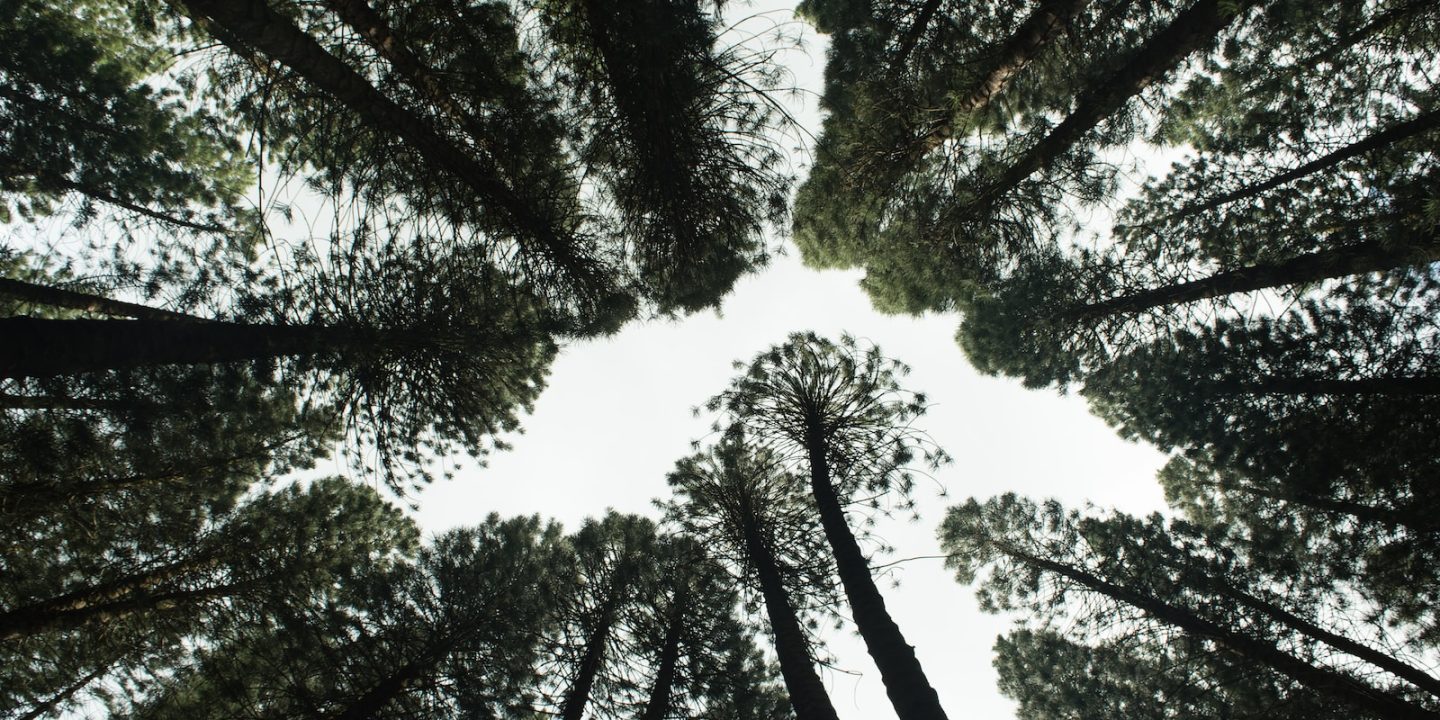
pixel 1321 265
pixel 1417 125
pixel 1033 35
pixel 1328 683
pixel 44 348
pixel 803 684
pixel 909 690
pixel 54 616
pixel 1190 31
pixel 254 24
pixel 85 302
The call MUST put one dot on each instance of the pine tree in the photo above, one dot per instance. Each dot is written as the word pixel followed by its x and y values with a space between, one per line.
pixel 838 411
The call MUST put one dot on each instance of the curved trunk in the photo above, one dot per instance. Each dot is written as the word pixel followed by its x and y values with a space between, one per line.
pixel 373 701
pixel 1329 683
pixel 909 690
pixel 1163 52
pixel 802 683
pixel 85 302
pixel 1312 267
pixel 1028 41
pixel 1422 123
pixel 43 348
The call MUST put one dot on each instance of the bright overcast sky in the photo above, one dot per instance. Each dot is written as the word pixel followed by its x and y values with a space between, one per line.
pixel 617 415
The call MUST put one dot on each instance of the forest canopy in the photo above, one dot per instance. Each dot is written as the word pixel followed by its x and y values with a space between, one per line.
pixel 245 237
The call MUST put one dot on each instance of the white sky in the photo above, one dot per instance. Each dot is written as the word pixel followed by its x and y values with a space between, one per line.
pixel 617 415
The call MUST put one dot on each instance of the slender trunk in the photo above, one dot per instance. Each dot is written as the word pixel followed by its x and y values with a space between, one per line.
pixel 1029 40
pixel 1190 31
pixel 573 708
pixel 34 617
pixel 1330 386
pixel 1390 664
pixel 254 24
pixel 913 35
pixel 905 682
pixel 38 347
pixel 372 703
pixel 50 705
pixel 803 684
pixel 1354 259
pixel 1326 682
pixel 658 705
pixel 1422 123
pixel 1388 517
pixel 382 37
pixel 23 623
pixel 85 302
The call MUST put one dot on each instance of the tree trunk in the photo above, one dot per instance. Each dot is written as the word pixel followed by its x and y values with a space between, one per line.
pixel 1388 663
pixel 913 35
pixel 372 703
pixel 1312 267
pixel 658 705
pixel 905 682
pixel 1326 682
pixel 255 24
pixel 85 302
pixel 1029 39
pixel 1163 52
pixel 51 704
pixel 377 32
pixel 1389 517
pixel 36 619
pixel 803 684
pixel 1422 123
pixel 573 708
pixel 37 347
pixel 14 622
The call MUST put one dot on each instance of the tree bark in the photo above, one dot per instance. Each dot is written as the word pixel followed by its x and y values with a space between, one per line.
pixel 658 705
pixel 1326 682
pixel 85 302
pixel 1019 49
pixel 372 703
pixel 255 24
pixel 1354 259
pixel 38 347
pixel 803 684
pixel 909 690
pixel 1191 30
pixel 913 34
pixel 36 619
pixel 1422 123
